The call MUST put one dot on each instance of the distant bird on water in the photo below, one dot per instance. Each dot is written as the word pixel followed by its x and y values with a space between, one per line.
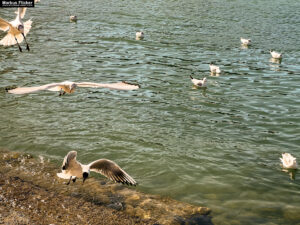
pixel 276 55
pixel 139 35
pixel 16 30
pixel 73 18
pixel 198 83
pixel 72 169
pixel 69 87
pixel 214 69
pixel 246 41
pixel 288 161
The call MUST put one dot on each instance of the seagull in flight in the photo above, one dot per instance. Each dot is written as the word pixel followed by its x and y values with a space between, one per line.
pixel 70 86
pixel 72 169
pixel 16 30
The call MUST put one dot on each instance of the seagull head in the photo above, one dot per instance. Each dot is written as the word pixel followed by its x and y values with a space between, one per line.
pixel 73 86
pixel 85 176
pixel 21 28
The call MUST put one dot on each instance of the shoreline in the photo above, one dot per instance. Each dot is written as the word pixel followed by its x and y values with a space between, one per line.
pixel 31 193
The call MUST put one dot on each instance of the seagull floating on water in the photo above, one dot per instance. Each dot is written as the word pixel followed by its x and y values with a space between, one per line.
pixel 72 169
pixel 16 30
pixel 139 35
pixel 246 41
pixel 73 18
pixel 214 68
pixel 198 83
pixel 70 86
pixel 288 161
pixel 276 55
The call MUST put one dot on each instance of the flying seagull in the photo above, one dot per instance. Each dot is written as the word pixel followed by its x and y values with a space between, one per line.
pixel 199 83
pixel 70 86
pixel 16 30
pixel 72 169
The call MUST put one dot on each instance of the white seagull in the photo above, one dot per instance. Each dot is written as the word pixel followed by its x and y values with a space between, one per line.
pixel 275 55
pixel 288 161
pixel 16 30
pixel 214 69
pixel 70 86
pixel 139 35
pixel 73 18
pixel 72 169
pixel 198 83
pixel 246 41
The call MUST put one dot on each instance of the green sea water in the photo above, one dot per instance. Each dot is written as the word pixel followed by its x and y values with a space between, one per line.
pixel 217 147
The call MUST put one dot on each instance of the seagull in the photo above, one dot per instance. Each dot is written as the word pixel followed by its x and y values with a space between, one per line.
pixel 288 161
pixel 214 68
pixel 73 18
pixel 198 83
pixel 72 169
pixel 70 86
pixel 139 35
pixel 246 41
pixel 275 55
pixel 16 30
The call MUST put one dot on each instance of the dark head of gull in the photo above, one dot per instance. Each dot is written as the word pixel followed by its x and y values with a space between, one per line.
pixel 84 176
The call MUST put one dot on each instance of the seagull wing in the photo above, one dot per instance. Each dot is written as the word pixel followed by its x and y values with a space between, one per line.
pixel 4 25
pixel 26 90
pixel 22 12
pixel 8 40
pixel 27 26
pixel 111 170
pixel 118 86
pixel 68 159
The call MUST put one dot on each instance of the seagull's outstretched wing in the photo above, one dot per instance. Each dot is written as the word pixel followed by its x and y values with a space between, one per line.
pixel 26 90
pixel 111 170
pixel 68 159
pixel 27 26
pixel 118 86
pixel 4 25
pixel 22 12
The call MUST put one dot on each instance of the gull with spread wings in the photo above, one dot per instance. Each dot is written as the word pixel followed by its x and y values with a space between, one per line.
pixel 72 169
pixel 70 86
pixel 16 30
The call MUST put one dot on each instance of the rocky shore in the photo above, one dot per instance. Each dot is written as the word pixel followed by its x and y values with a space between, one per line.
pixel 30 193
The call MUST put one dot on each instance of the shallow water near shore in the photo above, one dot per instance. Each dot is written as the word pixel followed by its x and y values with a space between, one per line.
pixel 217 147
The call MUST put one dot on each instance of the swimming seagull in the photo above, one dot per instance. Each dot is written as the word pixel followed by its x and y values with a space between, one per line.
pixel 288 161
pixel 214 69
pixel 199 83
pixel 275 55
pixel 73 18
pixel 70 86
pixel 72 169
pixel 246 41
pixel 16 30
pixel 139 35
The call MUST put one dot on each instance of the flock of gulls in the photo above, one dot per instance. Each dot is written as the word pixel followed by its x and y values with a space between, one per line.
pixel 72 169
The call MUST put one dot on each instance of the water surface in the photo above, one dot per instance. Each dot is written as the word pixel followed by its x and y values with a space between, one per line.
pixel 218 147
